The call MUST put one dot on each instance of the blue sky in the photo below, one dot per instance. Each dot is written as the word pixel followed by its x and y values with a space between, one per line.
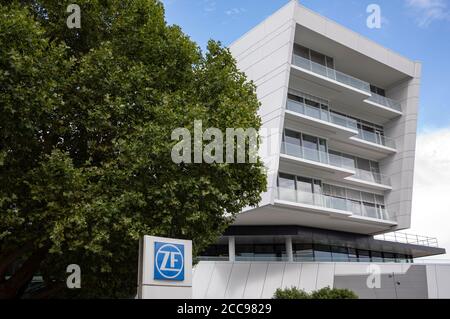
pixel 417 29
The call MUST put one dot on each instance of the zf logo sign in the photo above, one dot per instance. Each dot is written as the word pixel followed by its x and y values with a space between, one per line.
pixel 169 262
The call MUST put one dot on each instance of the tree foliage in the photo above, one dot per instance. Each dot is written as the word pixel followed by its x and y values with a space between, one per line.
pixel 324 293
pixel 86 117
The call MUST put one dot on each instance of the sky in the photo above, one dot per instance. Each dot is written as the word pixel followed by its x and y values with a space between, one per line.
pixel 417 29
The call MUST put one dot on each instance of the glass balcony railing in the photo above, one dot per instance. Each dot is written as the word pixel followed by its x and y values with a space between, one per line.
pixel 375 138
pixel 372 177
pixel 316 155
pixel 331 202
pixel 320 114
pixel 331 73
pixel 309 154
pixel 385 101
pixel 340 120
pixel 345 79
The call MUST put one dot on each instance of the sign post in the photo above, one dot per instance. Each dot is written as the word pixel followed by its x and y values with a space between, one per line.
pixel 165 268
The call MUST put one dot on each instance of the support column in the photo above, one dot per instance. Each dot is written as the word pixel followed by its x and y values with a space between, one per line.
pixel 289 251
pixel 232 249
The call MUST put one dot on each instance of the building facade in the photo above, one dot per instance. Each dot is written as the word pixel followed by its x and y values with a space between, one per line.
pixel 339 116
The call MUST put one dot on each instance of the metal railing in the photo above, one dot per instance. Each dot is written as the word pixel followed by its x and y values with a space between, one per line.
pixel 385 101
pixel 399 237
pixel 330 73
pixel 324 115
pixel 325 201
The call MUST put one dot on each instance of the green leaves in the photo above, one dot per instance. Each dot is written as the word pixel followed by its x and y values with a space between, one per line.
pixel 86 118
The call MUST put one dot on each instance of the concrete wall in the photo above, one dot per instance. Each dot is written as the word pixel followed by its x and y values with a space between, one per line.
pixel 400 167
pixel 259 280
pixel 264 55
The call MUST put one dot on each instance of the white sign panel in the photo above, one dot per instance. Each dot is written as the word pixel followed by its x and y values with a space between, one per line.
pixel 165 268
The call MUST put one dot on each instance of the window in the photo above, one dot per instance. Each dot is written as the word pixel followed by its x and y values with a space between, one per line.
pixel 340 254
pixel 389 258
pixel 216 251
pixel 322 253
pixel 318 58
pixel 314 56
pixel 377 257
pixel 286 187
pixel 377 90
pixel 301 51
pixel 303 252
pixel 263 252
pixel 363 255
pixel 352 255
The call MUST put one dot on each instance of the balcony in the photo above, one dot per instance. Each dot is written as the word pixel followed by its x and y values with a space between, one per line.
pixel 370 179
pixel 335 125
pixel 405 238
pixel 335 204
pixel 332 74
pixel 385 102
pixel 332 83
pixel 321 164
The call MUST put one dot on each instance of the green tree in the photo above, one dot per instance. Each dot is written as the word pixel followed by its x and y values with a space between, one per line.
pixel 324 293
pixel 86 117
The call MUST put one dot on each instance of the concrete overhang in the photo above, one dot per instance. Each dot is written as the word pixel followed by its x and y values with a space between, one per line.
pixel 288 213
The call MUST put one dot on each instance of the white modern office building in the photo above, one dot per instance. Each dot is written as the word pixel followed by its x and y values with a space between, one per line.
pixel 339 117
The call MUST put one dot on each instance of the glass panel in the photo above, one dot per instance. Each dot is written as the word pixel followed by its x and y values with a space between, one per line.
pixel 363 164
pixel 377 257
pixel 296 106
pixel 286 184
pixel 368 197
pixel 363 255
pixel 318 58
pixel 389 257
pixel 330 62
pixel 348 161
pixel 323 151
pixel 304 190
pixel 322 253
pixel 356 207
pixel 292 145
pixel 296 98
pixel 335 158
pixel 312 109
pixel 352 255
pixel 303 252
pixel 370 210
pixel 340 254
pixel 310 147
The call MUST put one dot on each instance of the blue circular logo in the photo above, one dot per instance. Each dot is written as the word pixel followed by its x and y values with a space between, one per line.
pixel 169 262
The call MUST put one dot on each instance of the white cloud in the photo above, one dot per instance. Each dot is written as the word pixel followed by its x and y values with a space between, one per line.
pixel 431 200
pixel 235 11
pixel 428 11
pixel 209 5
